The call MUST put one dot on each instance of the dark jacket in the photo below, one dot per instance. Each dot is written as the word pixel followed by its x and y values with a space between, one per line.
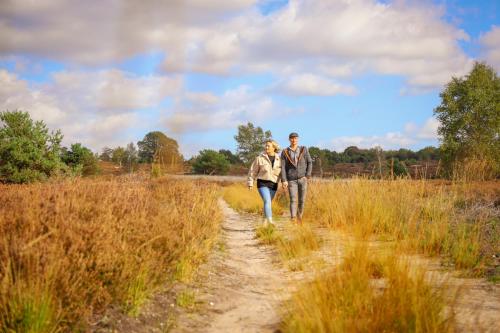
pixel 292 171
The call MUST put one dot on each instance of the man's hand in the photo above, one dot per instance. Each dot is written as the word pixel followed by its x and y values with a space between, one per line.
pixel 284 185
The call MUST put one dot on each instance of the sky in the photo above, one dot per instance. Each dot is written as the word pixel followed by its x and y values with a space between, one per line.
pixel 339 72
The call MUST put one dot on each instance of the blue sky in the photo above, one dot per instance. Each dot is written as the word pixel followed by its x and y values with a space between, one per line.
pixel 340 73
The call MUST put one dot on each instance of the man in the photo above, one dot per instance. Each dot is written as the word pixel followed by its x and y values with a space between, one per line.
pixel 296 168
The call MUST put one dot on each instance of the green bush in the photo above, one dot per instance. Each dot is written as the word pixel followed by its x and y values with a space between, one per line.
pixel 80 159
pixel 28 152
pixel 211 162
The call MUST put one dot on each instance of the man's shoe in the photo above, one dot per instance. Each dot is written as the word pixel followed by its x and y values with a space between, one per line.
pixel 299 219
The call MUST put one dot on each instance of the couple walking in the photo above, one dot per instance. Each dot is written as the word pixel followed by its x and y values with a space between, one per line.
pixel 293 167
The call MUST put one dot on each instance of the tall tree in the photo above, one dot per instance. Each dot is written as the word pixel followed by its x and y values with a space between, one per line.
pixel 159 148
pixel 379 152
pixel 106 154
pixel 119 155
pixel 131 156
pixel 28 152
pixel 250 141
pixel 469 116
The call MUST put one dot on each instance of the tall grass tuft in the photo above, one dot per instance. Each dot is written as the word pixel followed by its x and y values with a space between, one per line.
pixel 368 294
pixel 69 249
pixel 268 235
pixel 298 241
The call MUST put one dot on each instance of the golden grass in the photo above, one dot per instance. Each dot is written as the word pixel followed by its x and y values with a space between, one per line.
pixel 293 241
pixel 69 249
pixel 372 292
pixel 368 293
pixel 242 199
pixel 298 241
pixel 419 215
pixel 268 235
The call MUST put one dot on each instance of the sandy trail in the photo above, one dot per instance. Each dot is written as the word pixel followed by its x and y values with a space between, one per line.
pixel 241 288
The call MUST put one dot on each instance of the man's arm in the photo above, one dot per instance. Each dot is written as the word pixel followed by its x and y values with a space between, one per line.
pixel 309 161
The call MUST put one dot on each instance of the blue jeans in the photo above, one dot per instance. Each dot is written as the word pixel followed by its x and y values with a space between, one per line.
pixel 267 196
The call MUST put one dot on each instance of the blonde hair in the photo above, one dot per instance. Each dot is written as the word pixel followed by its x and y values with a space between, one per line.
pixel 276 146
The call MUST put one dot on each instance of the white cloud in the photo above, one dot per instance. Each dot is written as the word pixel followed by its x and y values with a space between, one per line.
pixel 313 85
pixel 429 130
pixel 490 43
pixel 114 89
pixel 97 32
pixel 17 94
pixel 95 108
pixel 201 98
pixel 234 107
pixel 391 140
pixel 334 38
pixel 411 135
pixel 337 39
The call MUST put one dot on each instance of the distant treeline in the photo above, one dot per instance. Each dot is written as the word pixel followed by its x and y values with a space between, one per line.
pixel 354 154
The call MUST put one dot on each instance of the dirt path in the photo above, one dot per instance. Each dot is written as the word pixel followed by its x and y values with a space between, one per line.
pixel 241 288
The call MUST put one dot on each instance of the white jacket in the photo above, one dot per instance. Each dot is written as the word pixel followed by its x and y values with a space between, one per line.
pixel 262 169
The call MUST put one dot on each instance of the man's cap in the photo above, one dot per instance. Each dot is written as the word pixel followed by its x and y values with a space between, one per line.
pixel 293 135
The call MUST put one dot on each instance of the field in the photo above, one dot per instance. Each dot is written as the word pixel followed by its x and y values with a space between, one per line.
pixel 71 249
pixel 377 284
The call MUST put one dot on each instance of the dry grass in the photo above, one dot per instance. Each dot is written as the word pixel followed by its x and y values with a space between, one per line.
pixel 293 242
pixel 368 294
pixel 244 200
pixel 419 215
pixel 69 249
pixel 298 241
pixel 372 292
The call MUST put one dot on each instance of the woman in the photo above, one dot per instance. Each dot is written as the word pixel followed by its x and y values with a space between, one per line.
pixel 266 168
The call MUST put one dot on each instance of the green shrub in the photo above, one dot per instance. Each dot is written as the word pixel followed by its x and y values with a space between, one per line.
pixel 28 152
